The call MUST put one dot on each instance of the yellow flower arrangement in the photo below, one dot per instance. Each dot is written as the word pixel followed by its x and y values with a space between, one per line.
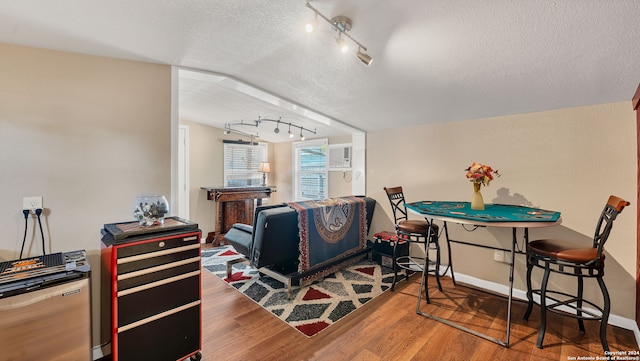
pixel 481 173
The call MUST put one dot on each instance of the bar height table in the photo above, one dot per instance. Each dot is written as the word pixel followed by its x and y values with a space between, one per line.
pixel 494 215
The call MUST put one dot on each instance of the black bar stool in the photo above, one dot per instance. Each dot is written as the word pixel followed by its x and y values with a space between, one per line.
pixel 413 231
pixel 577 260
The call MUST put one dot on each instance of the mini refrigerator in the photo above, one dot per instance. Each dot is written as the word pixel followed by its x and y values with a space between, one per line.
pixel 45 308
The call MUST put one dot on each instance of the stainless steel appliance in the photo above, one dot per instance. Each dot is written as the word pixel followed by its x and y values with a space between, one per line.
pixel 45 308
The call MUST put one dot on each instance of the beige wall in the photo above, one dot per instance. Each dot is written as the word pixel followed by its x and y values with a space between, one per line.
pixel 86 133
pixel 568 160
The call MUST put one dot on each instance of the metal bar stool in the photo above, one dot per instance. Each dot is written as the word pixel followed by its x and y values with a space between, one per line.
pixel 577 260
pixel 420 232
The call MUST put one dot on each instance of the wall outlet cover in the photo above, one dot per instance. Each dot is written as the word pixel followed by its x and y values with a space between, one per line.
pixel 31 203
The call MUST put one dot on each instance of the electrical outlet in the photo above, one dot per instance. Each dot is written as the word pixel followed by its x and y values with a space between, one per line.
pixel 498 255
pixel 31 203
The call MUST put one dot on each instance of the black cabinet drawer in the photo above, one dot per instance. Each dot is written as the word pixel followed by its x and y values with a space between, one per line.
pixel 157 244
pixel 157 259
pixel 169 338
pixel 139 303
pixel 155 274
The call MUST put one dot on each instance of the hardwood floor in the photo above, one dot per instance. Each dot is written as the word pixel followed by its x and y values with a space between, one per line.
pixel 388 328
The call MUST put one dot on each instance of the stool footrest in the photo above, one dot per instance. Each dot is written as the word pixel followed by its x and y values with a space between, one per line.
pixel 558 304
pixel 412 263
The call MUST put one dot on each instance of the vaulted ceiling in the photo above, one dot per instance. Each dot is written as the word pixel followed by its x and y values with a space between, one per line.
pixel 434 60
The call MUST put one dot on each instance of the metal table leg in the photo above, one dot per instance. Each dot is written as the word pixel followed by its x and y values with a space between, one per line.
pixel 504 342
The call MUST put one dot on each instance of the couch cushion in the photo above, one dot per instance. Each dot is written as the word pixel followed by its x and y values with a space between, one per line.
pixel 243 227
pixel 240 240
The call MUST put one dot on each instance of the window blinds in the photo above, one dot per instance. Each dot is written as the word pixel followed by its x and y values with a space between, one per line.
pixel 241 162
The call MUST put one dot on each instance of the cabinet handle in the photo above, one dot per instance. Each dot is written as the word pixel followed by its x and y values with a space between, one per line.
pixel 157 253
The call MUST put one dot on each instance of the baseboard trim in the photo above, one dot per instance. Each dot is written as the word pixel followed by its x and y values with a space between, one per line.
pixel 101 351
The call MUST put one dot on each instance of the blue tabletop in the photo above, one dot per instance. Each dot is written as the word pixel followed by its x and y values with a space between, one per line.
pixel 491 213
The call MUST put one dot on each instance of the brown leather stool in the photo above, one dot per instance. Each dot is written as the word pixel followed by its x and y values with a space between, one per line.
pixel 577 260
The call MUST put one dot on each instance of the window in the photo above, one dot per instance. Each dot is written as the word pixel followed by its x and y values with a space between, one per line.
pixel 310 174
pixel 241 162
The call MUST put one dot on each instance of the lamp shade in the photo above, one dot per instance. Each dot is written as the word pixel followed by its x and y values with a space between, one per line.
pixel 264 167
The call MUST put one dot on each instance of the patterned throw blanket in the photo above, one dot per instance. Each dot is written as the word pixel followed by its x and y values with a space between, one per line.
pixel 330 229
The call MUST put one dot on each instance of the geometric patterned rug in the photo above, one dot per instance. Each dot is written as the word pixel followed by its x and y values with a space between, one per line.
pixel 313 308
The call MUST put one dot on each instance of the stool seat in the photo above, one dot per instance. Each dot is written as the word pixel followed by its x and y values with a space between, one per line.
pixel 416 226
pixel 564 250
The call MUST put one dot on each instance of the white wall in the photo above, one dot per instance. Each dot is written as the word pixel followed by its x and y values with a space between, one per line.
pixel 205 170
pixel 86 133
pixel 569 160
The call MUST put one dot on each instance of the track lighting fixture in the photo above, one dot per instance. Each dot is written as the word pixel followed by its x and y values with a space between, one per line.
pixel 342 25
pixel 228 130
pixel 364 58
pixel 256 123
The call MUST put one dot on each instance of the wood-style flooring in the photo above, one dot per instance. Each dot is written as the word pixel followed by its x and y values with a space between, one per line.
pixel 388 328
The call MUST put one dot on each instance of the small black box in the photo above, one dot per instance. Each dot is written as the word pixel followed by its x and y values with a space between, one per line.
pixel 383 252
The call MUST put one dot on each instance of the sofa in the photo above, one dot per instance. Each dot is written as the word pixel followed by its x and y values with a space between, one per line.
pixel 272 243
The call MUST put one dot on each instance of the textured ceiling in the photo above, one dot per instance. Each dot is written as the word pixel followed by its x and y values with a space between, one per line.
pixel 434 61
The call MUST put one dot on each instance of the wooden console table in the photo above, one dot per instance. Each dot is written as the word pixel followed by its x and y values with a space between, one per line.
pixel 234 205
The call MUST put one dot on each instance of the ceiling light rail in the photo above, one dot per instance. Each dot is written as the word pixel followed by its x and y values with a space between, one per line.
pixel 228 127
pixel 342 25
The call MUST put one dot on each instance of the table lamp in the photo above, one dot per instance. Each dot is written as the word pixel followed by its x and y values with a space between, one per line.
pixel 264 168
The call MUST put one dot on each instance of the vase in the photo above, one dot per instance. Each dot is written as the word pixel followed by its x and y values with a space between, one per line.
pixel 150 210
pixel 477 202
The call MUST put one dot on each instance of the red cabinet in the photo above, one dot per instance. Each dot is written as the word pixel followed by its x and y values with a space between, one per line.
pixel 152 277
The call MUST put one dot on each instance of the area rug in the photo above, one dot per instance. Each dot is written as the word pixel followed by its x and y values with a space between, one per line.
pixel 313 308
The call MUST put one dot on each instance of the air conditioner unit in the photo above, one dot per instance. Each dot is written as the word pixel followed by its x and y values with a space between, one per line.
pixel 339 157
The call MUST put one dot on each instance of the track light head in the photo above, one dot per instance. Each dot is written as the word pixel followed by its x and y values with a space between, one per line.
pixel 226 132
pixel 312 25
pixel 342 45
pixel 364 58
